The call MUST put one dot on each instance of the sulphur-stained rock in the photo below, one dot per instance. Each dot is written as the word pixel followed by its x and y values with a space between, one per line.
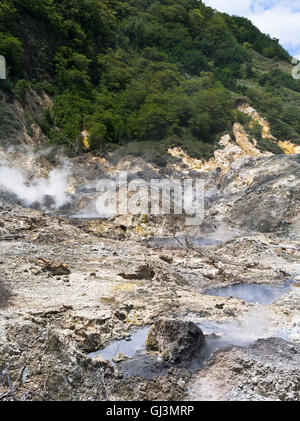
pixel 56 268
pixel 175 340
pixel 142 271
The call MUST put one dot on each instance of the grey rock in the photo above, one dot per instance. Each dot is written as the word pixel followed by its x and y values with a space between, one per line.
pixel 175 340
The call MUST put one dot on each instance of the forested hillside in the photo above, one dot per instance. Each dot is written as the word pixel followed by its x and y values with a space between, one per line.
pixel 146 74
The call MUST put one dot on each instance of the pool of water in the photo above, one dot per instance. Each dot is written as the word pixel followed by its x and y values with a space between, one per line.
pixel 252 293
pixel 218 336
pixel 128 347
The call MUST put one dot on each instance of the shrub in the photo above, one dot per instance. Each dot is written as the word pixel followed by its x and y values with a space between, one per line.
pixel 11 48
pixel 21 88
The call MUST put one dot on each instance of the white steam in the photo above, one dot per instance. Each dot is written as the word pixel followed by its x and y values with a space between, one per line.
pixel 48 192
pixel 257 324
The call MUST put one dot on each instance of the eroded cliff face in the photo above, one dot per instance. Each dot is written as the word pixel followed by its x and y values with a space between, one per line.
pixel 20 122
pixel 229 152
pixel 241 145
pixel 257 118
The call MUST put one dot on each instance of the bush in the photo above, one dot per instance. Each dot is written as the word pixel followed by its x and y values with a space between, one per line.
pixel 243 118
pixel 263 144
pixel 9 125
pixel 11 48
pixel 156 152
pixel 21 88
pixel 195 147
pixel 97 137
pixel 47 121
pixel 269 146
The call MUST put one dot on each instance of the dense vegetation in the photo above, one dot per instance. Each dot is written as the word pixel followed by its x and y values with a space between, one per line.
pixel 148 74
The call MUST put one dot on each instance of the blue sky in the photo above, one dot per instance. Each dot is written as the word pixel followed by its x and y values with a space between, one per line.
pixel 278 18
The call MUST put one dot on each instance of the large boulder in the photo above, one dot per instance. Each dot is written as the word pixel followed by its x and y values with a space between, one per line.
pixel 175 340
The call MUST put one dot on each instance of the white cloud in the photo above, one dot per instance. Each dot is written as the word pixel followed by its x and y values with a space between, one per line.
pixel 278 18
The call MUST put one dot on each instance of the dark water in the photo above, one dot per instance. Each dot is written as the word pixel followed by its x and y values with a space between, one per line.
pixel 217 335
pixel 253 293
pixel 141 362
pixel 128 347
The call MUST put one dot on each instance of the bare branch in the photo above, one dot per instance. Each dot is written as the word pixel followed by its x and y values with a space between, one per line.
pixel 12 392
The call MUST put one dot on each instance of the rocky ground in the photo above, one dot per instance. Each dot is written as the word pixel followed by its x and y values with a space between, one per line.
pixel 70 287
